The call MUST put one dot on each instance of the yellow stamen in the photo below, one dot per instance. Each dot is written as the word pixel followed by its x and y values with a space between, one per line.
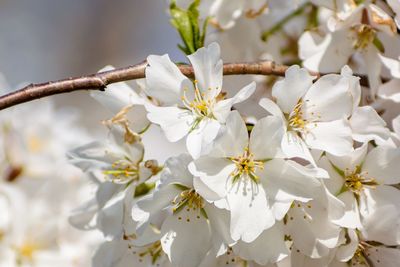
pixel 200 105
pixel 246 165
pixel 365 35
pixel 123 171
pixel 188 198
pixel 356 181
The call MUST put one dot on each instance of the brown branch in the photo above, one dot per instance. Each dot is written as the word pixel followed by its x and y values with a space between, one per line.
pixel 99 81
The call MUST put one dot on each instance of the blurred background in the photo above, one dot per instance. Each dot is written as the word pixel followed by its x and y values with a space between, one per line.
pixel 45 40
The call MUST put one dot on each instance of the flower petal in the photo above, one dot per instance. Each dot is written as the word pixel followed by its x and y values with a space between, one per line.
pixel 175 122
pixel 232 139
pixel 223 108
pixel 272 108
pixel 351 218
pixel 200 139
pixel 150 206
pixel 382 164
pixel 286 180
pixel 268 247
pixel 368 125
pixel 333 137
pixel 380 210
pixel 214 173
pixel 179 234
pixel 289 90
pixel 266 137
pixel 250 212
pixel 351 160
pixel 164 80
pixel 207 66
pixel 390 90
pixel 328 99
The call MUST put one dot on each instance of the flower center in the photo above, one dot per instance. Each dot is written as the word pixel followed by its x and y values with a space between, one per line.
pixel 246 165
pixel 361 256
pixel 365 35
pixel 26 251
pixel 200 106
pixel 154 251
pixel 296 120
pixel 188 198
pixel 123 171
pixel 356 181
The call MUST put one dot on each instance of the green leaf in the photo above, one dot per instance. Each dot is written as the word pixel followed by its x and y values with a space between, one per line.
pixel 186 22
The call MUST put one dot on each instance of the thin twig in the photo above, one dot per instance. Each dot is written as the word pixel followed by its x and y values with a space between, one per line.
pixel 100 80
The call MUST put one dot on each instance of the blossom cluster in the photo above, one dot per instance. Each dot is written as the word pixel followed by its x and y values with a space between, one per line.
pixel 39 188
pixel 311 182
pixel 298 171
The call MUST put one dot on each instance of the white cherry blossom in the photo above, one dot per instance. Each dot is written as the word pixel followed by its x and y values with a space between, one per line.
pixel 362 181
pixel 362 31
pixel 314 115
pixel 195 109
pixel 250 179
pixel 189 225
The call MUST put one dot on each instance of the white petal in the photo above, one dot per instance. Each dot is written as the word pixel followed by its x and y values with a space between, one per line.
pixel 286 180
pixel 392 65
pixel 289 90
pixel 176 171
pixel 112 254
pixel 346 252
pixel 382 164
pixel 232 139
pixel 269 247
pixel 374 67
pixel 333 137
pixel 328 99
pixel 312 231
pixel 164 80
pixel 187 240
pixel 368 125
pixel 390 90
pixel 120 95
pixel 223 108
pixel 175 122
pixel 207 67
pixel 381 215
pixel 110 218
pixel 266 137
pixel 396 125
pixel 335 182
pixel 151 205
pixel 214 173
pixel 298 259
pixel 279 209
pixel 250 213
pixel 351 218
pixel 327 54
pixel 354 83
pixel 200 139
pixel 350 160
pixel 226 12
pixel 94 156
pixel 219 221
pixel 293 146
pixel 272 108
pixel 117 95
